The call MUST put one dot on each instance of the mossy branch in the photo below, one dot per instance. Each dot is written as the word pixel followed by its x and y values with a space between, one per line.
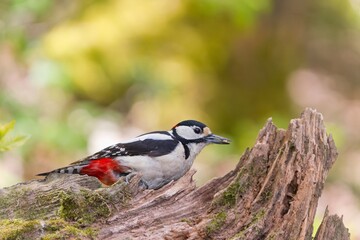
pixel 271 194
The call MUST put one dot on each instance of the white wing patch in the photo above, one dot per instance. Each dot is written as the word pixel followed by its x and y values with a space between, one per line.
pixel 152 144
pixel 154 136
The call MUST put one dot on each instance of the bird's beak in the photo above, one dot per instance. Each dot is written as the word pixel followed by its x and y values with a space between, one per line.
pixel 212 138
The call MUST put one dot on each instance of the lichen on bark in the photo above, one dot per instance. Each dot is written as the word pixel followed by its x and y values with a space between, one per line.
pixel 272 193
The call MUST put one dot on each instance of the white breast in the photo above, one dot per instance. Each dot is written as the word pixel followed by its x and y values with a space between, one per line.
pixel 159 171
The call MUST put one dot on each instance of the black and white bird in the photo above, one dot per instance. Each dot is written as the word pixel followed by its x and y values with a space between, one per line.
pixel 160 156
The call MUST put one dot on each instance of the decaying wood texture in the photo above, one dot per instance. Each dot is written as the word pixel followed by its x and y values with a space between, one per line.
pixel 332 227
pixel 271 194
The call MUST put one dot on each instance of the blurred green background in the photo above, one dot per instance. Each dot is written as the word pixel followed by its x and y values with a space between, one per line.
pixel 78 76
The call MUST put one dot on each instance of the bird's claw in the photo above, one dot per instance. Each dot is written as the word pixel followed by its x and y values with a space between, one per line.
pixel 142 184
pixel 129 177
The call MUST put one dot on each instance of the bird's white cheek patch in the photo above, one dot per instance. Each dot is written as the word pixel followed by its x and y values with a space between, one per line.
pixel 186 132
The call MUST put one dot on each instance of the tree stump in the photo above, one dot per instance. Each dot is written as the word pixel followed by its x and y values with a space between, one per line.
pixel 271 194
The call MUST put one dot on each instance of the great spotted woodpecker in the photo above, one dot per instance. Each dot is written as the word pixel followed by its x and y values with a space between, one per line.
pixel 160 156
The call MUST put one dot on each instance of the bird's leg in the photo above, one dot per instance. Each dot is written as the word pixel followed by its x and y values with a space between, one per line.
pixel 142 184
pixel 129 177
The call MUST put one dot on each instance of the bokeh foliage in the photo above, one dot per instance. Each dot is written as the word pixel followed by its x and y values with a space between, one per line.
pixel 70 70
pixel 7 143
pixel 154 62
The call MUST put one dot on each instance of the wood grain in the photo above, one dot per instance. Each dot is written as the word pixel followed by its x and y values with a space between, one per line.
pixel 272 193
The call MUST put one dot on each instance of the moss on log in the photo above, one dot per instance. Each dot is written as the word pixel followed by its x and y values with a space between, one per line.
pixel 271 194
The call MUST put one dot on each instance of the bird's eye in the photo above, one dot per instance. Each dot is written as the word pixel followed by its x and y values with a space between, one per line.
pixel 197 130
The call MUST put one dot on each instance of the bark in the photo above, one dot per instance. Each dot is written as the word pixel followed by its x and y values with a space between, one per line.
pixel 332 227
pixel 271 194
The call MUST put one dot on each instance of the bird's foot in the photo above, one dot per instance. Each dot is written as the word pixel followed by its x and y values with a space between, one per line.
pixel 129 177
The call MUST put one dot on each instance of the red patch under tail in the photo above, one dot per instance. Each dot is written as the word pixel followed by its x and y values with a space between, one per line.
pixel 107 170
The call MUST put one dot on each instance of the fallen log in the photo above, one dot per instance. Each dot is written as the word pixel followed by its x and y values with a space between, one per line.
pixel 271 194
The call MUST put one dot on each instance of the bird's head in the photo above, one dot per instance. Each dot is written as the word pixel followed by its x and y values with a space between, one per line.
pixel 194 131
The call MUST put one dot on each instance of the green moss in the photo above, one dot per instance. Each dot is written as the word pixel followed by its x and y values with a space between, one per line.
pixel 15 198
pixel 272 236
pixel 70 232
pixel 74 212
pixel 239 235
pixel 85 207
pixel 255 219
pixel 190 221
pixel 50 229
pixel 17 229
pixel 229 197
pixel 266 195
pixel 245 179
pixel 216 223
pixel 60 229
pixel 259 215
pixel 119 194
pixel 186 220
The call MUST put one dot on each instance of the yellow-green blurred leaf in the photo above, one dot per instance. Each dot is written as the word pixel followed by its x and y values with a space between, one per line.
pixel 4 129
pixel 12 143
pixel 7 143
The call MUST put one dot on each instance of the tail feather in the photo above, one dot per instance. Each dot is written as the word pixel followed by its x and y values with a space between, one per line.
pixel 44 173
pixel 68 169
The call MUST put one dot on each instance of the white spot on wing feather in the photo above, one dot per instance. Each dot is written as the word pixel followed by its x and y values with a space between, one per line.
pixel 155 136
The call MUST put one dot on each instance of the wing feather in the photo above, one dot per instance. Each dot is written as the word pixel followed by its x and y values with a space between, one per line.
pixel 143 145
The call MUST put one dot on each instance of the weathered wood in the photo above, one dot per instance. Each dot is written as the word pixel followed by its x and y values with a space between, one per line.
pixel 332 228
pixel 271 194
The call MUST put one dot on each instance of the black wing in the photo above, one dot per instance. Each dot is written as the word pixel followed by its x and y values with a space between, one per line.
pixel 149 147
